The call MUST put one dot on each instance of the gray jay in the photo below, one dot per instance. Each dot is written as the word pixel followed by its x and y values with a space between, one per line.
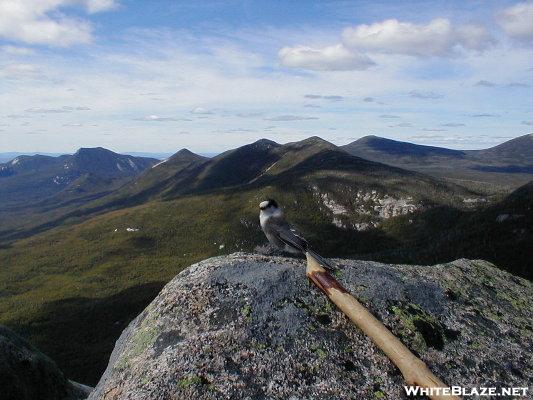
pixel 281 235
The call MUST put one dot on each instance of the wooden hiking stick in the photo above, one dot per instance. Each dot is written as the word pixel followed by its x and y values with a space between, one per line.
pixel 413 369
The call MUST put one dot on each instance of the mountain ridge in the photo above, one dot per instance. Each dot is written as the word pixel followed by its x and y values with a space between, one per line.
pixel 403 148
pixel 33 178
pixel 506 166
pixel 128 246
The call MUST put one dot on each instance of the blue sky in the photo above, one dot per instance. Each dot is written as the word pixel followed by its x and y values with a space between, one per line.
pixel 162 75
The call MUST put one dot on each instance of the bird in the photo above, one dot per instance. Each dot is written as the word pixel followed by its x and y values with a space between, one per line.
pixel 283 236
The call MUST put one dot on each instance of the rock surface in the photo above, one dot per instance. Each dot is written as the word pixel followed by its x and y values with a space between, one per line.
pixel 27 374
pixel 248 326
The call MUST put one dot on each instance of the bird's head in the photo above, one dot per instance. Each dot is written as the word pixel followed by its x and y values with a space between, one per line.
pixel 268 205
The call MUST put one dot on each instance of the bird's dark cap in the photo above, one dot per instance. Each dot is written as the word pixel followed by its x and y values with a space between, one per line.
pixel 268 203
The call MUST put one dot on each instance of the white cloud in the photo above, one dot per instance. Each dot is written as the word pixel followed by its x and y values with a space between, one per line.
pixel 331 58
pixel 425 95
pixel 288 118
pixel 233 130
pixel 389 116
pixel 485 83
pixel 517 21
pixel 513 85
pixel 436 38
pixel 483 115
pixel 332 97
pixel 94 6
pixel 517 85
pixel 201 111
pixel 40 110
pixel 249 114
pixel 453 124
pixel 64 109
pixel 20 71
pixel 156 118
pixel 34 133
pixel 434 130
pixel 42 22
pixel 16 51
pixel 189 74
pixel 402 125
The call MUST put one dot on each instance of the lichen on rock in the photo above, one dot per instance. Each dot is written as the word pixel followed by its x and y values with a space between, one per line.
pixel 248 326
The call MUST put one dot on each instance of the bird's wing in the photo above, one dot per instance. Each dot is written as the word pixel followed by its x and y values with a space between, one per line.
pixel 289 236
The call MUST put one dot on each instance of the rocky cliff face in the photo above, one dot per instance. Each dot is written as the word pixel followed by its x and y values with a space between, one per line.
pixel 251 327
pixel 27 374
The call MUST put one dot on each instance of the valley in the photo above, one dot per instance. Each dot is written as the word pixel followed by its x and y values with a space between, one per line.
pixel 74 275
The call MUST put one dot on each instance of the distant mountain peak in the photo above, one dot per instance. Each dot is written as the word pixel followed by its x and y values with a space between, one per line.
pixel 92 151
pixel 312 141
pixel 367 137
pixel 261 145
pixel 512 152
pixel 106 163
pixel 526 140
pixel 185 154
pixel 89 171
pixel 379 139
pixel 376 144
pixel 264 142
pixel 507 164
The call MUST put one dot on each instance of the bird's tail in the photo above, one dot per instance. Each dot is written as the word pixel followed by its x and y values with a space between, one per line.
pixel 322 261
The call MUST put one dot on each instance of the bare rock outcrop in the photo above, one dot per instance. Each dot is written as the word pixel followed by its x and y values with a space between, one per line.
pixel 247 326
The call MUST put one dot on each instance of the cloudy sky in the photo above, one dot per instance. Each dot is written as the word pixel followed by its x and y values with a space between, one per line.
pixel 156 76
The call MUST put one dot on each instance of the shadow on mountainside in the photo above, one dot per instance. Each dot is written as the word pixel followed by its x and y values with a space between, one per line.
pixel 79 333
